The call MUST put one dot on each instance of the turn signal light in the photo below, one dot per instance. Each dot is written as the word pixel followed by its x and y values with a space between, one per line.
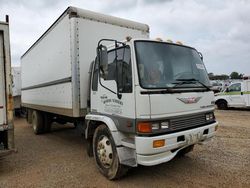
pixel 144 127
pixel 158 143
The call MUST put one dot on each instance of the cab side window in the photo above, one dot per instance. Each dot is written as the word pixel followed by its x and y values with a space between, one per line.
pixel 234 87
pixel 119 69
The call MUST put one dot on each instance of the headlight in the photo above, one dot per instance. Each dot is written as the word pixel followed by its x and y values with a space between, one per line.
pixel 149 127
pixel 155 126
pixel 210 116
pixel 165 124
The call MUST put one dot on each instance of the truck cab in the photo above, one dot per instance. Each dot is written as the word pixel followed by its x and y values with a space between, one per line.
pixel 235 95
pixel 155 99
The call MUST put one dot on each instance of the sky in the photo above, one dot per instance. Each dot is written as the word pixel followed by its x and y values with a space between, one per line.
pixel 218 29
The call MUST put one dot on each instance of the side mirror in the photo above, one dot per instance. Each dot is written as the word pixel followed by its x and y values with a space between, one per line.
pixel 102 53
pixel 227 90
pixel 201 56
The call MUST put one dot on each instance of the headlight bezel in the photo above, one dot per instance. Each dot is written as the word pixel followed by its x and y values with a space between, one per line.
pixel 153 127
pixel 209 117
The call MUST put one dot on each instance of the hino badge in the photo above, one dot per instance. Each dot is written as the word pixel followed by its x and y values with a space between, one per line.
pixel 140 101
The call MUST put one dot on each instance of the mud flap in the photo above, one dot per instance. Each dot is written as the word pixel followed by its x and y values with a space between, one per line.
pixel 127 156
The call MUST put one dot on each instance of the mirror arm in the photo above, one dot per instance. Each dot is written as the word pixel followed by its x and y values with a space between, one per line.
pixel 201 56
pixel 119 95
pixel 99 77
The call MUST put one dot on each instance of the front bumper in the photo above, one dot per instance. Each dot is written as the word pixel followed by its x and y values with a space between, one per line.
pixel 147 155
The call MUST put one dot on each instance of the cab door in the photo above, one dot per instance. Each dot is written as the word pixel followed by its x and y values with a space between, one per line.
pixel 2 84
pixel 116 78
pixel 236 97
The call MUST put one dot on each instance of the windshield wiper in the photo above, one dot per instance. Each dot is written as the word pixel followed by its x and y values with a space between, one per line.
pixel 190 81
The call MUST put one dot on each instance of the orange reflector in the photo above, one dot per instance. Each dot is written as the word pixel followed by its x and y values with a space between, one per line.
pixel 158 143
pixel 216 127
pixel 144 127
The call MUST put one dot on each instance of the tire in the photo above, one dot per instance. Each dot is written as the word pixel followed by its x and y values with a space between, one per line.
pixel 75 124
pixel 37 122
pixel 47 121
pixel 222 105
pixel 186 150
pixel 105 154
pixel 89 148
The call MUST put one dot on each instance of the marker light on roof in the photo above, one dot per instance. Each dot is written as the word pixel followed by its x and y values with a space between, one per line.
pixel 159 39
pixel 179 42
pixel 128 38
pixel 170 41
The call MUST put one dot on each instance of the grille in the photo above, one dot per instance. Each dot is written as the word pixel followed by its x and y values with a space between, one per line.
pixel 187 122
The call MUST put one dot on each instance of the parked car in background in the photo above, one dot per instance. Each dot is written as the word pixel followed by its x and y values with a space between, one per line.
pixel 235 95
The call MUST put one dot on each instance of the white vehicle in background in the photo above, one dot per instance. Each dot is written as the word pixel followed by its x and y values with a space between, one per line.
pixel 140 101
pixel 6 99
pixel 235 95
pixel 16 89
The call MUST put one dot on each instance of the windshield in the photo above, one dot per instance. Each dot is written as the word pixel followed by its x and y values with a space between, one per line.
pixel 164 65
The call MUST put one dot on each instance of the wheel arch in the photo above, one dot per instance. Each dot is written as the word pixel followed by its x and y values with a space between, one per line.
pixel 93 121
pixel 220 100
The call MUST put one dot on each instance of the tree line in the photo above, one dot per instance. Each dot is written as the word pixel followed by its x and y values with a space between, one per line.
pixel 233 75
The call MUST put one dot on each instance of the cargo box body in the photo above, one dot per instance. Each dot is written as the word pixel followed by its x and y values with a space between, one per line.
pixel 16 86
pixel 55 68
pixel 6 100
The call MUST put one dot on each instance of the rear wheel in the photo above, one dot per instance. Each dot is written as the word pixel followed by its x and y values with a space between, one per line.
pixel 37 122
pixel 29 116
pixel 222 105
pixel 47 121
pixel 105 154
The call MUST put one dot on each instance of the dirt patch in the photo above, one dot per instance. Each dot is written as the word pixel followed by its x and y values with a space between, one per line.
pixel 58 159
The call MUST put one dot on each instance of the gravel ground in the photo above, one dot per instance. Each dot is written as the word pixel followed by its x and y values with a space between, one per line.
pixel 58 159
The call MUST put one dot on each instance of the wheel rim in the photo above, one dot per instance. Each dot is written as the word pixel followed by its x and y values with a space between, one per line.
pixel 105 152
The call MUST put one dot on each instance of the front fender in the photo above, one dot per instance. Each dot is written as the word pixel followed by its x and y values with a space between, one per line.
pixel 101 118
pixel 117 136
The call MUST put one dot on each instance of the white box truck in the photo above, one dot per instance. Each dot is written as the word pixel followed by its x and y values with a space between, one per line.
pixel 235 95
pixel 16 89
pixel 6 100
pixel 140 101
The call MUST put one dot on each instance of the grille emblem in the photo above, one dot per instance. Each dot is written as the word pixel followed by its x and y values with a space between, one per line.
pixel 189 100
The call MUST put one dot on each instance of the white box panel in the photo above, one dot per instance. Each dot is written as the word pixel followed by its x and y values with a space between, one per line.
pixel 59 96
pixel 49 59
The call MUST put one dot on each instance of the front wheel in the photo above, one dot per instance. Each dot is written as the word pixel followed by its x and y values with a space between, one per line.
pixel 105 154
pixel 222 105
